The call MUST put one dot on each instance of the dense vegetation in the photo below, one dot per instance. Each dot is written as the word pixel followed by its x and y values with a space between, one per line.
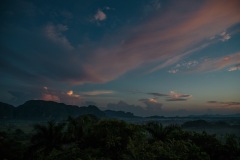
pixel 90 138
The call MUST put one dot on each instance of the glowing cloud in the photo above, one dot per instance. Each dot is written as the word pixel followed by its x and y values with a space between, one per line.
pixel 70 93
pixel 173 96
pixel 50 97
pixel 151 103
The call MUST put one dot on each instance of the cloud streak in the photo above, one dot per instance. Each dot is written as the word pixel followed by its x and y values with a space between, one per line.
pixel 229 104
pixel 160 41
pixel 172 96
pixel 215 64
pixel 157 42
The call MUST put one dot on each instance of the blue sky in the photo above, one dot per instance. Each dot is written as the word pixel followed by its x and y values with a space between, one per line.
pixel 144 56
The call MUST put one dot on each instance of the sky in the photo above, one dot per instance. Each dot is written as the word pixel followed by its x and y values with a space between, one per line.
pixel 149 57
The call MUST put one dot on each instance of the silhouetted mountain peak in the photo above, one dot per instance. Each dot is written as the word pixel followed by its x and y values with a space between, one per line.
pixel 40 109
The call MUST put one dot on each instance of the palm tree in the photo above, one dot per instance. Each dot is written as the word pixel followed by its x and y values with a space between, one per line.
pixel 159 132
pixel 74 130
pixel 47 138
pixel 79 128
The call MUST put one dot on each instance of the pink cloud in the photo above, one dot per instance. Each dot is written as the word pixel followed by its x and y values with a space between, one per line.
pixel 50 97
pixel 68 97
pixel 174 96
pixel 164 39
pixel 100 15
pixel 215 64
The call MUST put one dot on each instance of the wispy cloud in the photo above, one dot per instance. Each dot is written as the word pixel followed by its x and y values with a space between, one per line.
pixel 229 63
pixel 215 64
pixel 55 33
pixel 234 68
pixel 146 43
pixel 158 94
pixel 160 41
pixel 225 36
pixel 97 93
pixel 219 103
pixel 173 96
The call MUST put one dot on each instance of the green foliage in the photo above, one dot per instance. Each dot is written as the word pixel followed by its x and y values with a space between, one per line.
pixel 88 138
pixel 47 138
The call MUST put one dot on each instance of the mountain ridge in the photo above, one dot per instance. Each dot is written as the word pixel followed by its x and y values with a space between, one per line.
pixel 44 110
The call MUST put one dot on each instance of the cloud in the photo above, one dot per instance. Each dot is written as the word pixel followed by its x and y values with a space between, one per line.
pixel 100 15
pixel 234 68
pixel 184 34
pixel 215 64
pixel 154 5
pixel 55 33
pixel 160 41
pixel 229 63
pixel 151 104
pixel 225 36
pixel 68 97
pixel 96 93
pixel 180 67
pixel 173 96
pixel 50 97
pixel 70 93
pixel 176 99
pixel 158 94
pixel 234 104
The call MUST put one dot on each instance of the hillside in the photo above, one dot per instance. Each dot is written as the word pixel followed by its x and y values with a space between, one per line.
pixel 46 110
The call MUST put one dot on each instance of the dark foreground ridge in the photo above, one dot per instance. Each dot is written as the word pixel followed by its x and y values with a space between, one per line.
pixel 48 110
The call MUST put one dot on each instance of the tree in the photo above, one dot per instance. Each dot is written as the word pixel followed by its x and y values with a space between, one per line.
pixel 159 132
pixel 47 138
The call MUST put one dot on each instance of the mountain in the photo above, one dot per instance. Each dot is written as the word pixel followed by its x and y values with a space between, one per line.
pixel 6 111
pixel 46 110
pixel 119 114
pixel 38 109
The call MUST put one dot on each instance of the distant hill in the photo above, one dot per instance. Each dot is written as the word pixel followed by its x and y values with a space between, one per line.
pixel 6 111
pixel 119 114
pixel 45 110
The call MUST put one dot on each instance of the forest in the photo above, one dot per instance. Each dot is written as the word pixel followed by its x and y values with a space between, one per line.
pixel 90 138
